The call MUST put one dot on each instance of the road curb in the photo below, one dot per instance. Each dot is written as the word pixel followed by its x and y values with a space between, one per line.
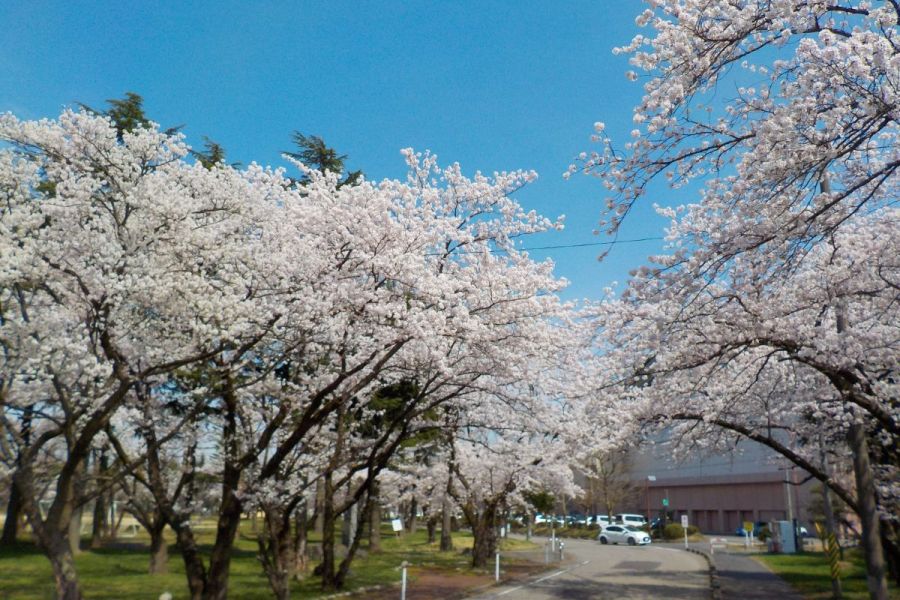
pixel 715 585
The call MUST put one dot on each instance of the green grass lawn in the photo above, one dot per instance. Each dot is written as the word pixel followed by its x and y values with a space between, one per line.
pixel 121 572
pixel 808 573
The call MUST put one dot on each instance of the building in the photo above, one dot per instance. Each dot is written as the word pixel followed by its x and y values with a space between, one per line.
pixel 719 493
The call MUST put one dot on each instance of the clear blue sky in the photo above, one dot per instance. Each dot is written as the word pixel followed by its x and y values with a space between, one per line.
pixel 491 85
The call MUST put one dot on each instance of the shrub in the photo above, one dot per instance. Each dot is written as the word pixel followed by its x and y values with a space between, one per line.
pixel 673 531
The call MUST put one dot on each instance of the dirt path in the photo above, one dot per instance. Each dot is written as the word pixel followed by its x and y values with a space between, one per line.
pixel 441 584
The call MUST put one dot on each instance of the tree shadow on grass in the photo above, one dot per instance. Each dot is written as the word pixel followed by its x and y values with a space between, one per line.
pixel 20 550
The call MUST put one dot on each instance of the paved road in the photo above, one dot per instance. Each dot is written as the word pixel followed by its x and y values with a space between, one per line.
pixel 594 572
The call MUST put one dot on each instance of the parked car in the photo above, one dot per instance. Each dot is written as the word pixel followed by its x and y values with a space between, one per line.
pixel 574 519
pixel 548 519
pixel 623 534
pixel 579 519
pixel 631 519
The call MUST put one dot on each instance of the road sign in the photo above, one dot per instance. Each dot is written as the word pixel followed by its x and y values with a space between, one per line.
pixel 748 526
pixel 665 501
pixel 684 521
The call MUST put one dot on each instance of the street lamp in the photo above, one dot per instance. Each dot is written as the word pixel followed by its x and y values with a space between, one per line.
pixel 647 494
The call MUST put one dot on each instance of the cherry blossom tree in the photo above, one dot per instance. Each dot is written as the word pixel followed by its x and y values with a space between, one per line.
pixel 109 241
pixel 772 366
pixel 241 325
pixel 786 111
pixel 523 431
pixel 492 471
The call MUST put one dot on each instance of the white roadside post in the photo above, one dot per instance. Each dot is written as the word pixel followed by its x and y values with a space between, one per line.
pixel 720 543
pixel 684 525
pixel 403 566
pixel 497 566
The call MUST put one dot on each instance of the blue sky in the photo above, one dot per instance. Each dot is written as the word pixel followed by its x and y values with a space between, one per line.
pixel 491 85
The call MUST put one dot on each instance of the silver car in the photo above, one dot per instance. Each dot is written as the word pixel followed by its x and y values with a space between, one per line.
pixel 625 534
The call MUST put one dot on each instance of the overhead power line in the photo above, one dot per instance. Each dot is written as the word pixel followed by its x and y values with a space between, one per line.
pixel 556 247
pixel 586 244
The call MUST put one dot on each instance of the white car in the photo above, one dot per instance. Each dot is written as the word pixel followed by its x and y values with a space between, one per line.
pixel 624 534
pixel 547 519
pixel 631 519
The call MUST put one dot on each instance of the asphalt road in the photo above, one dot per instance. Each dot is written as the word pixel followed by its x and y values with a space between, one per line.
pixel 593 571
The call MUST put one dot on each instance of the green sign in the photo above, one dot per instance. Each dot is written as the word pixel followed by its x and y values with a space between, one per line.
pixel 665 501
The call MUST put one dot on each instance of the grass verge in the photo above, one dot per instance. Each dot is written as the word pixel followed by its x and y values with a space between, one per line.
pixel 120 570
pixel 809 574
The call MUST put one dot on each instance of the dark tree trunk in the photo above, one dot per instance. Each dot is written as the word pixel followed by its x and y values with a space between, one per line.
pixel 891 551
pixel 411 520
pixel 52 533
pixel 193 562
pixel 446 525
pixel 15 511
pixel 484 531
pixel 229 514
pixel 431 527
pixel 99 527
pixel 326 568
pixel 344 568
pixel 868 513
pixel 220 559
pixel 55 543
pixel 64 575
pixel 186 543
pixel 276 550
pixel 15 508
pixel 159 551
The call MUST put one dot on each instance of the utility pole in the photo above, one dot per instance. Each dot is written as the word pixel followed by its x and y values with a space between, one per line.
pixel 787 493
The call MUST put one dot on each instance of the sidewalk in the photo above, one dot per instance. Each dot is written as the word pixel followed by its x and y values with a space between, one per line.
pixel 744 578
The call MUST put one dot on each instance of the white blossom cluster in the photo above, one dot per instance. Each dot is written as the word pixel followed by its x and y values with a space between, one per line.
pixel 774 315
pixel 225 331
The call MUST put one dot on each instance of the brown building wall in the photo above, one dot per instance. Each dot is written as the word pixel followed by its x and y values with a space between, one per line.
pixel 720 504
